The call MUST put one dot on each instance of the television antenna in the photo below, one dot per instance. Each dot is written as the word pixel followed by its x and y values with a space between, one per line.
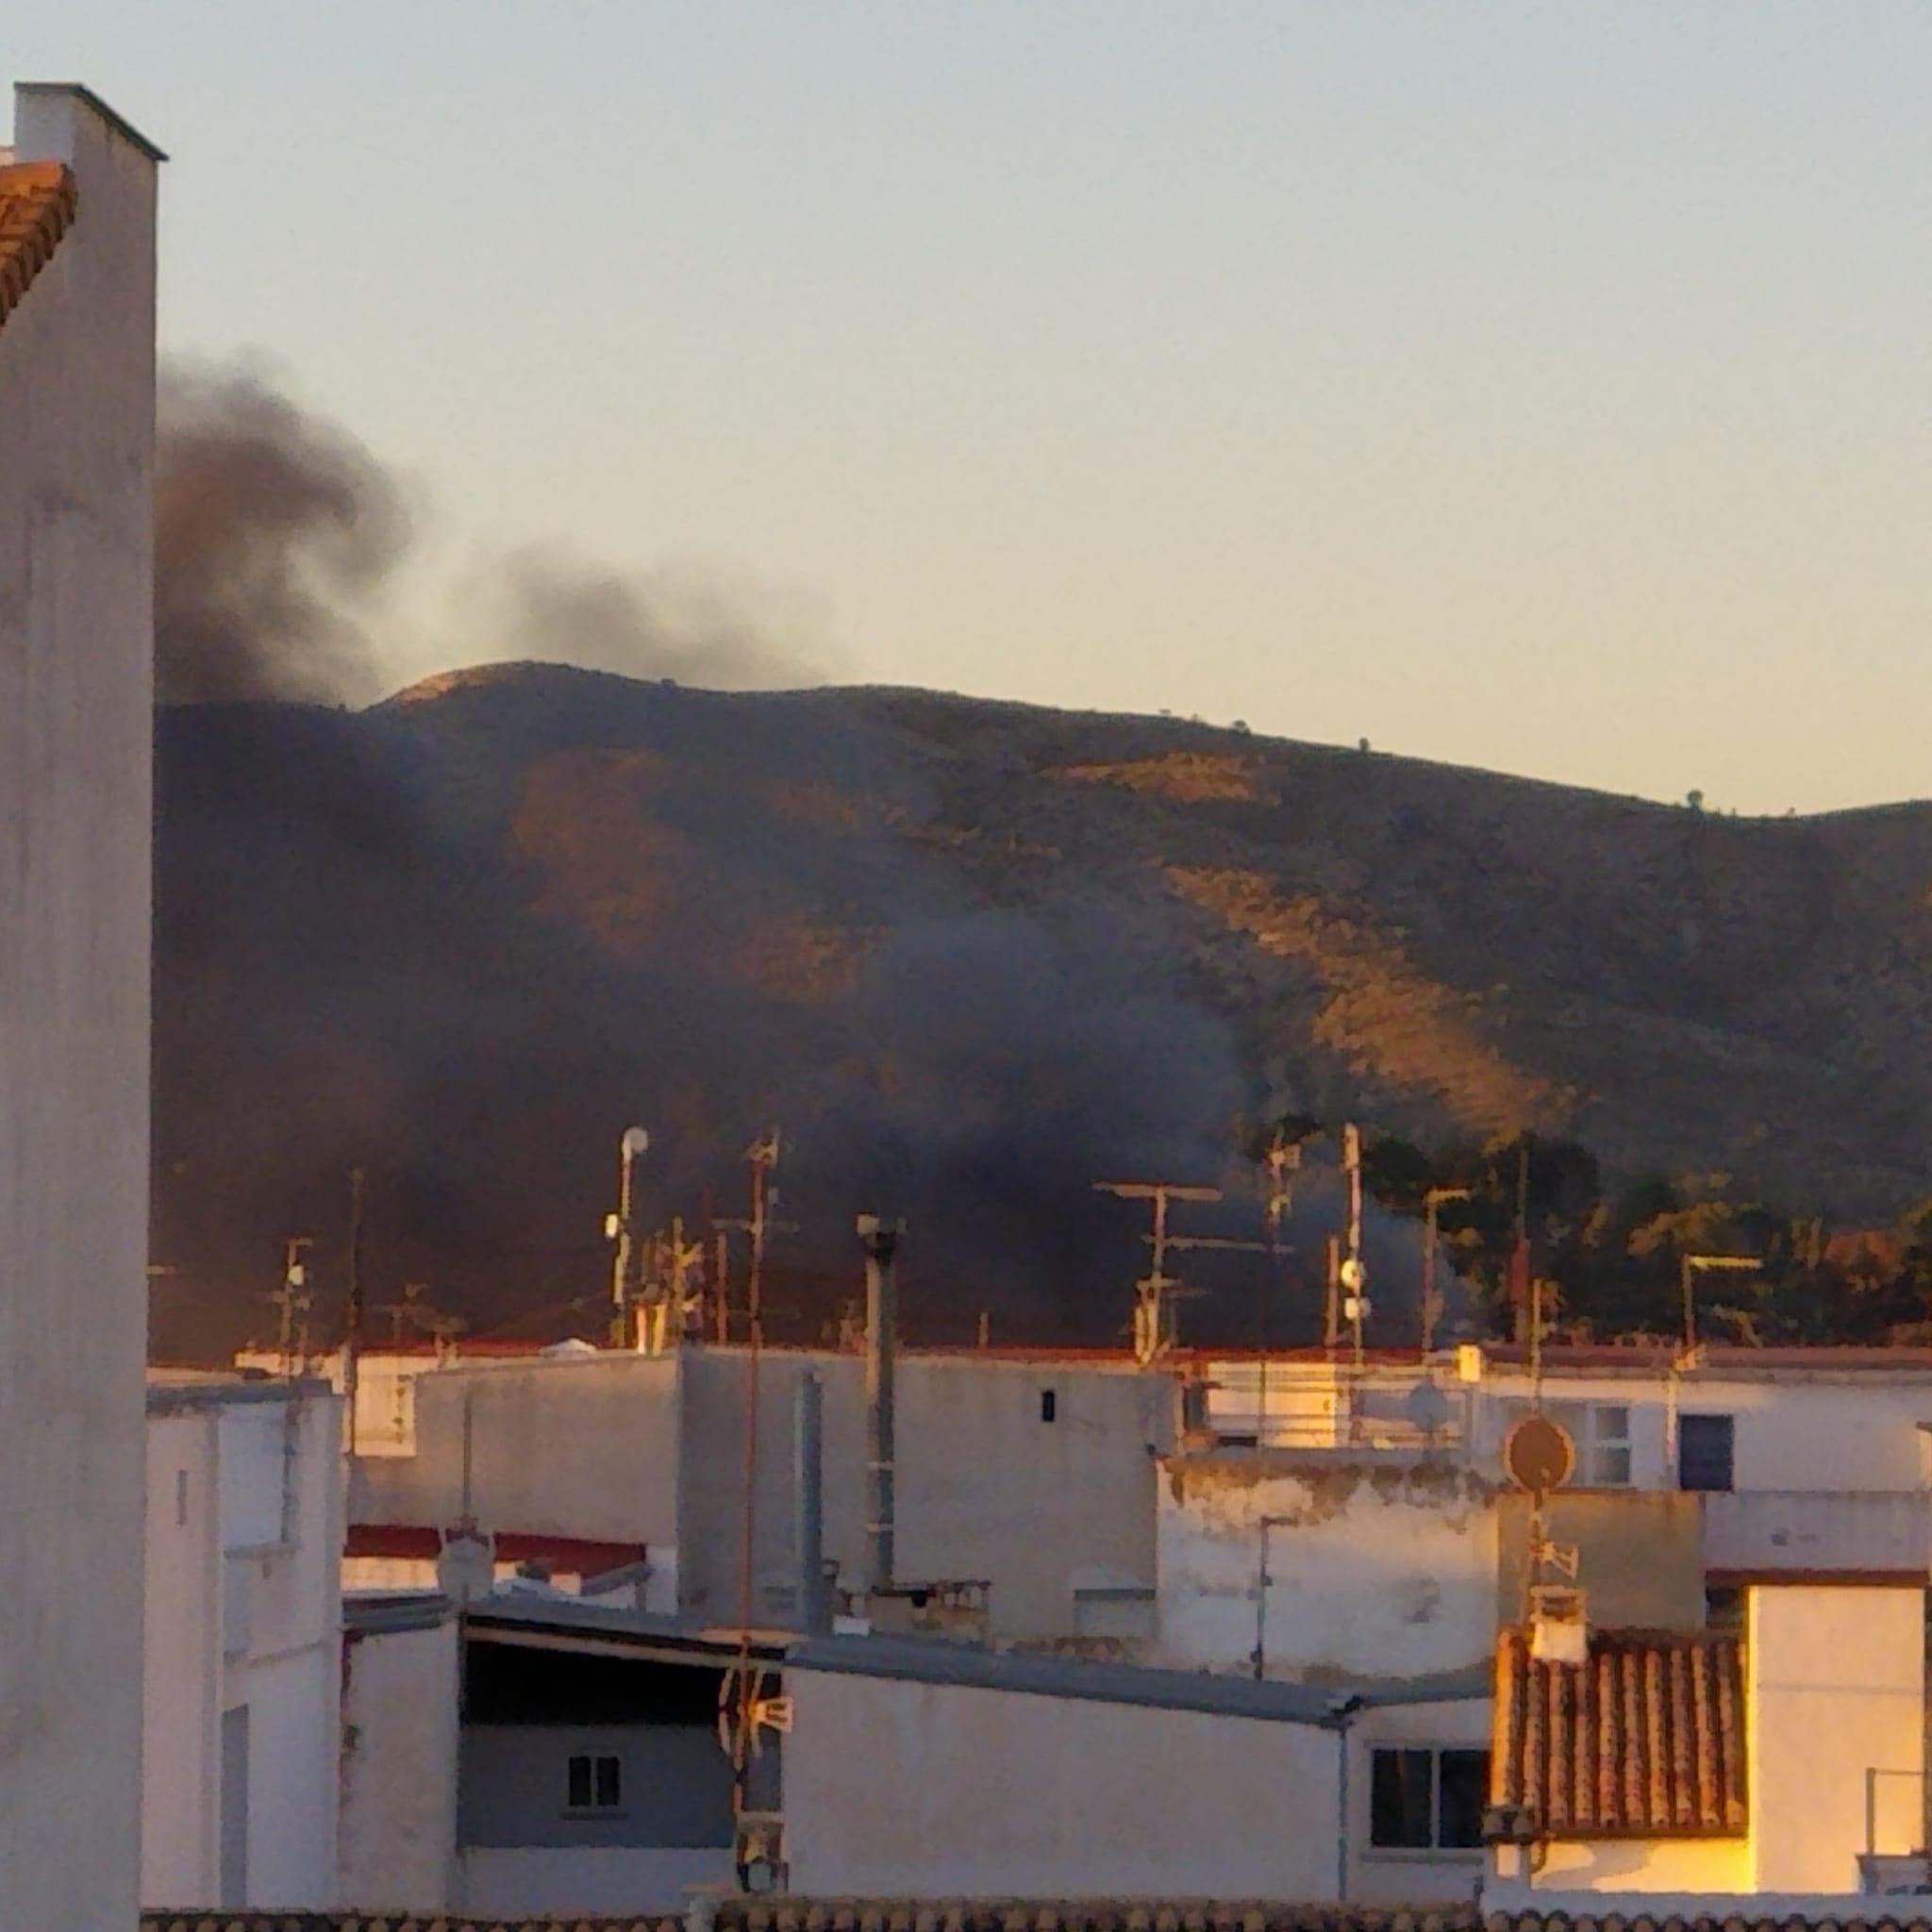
pixel 1156 1328
pixel 1540 1457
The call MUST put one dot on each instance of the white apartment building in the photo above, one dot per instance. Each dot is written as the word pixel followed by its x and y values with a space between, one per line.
pixel 243 1728
pixel 1814 1461
pixel 77 189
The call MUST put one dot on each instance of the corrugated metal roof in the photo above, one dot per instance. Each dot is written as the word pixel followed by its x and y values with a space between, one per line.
pixel 1645 1739
pixel 935 1661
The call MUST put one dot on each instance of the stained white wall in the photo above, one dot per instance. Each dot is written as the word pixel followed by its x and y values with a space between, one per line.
pixel 1376 1570
pixel 901 1789
pixel 180 1821
pixel 1837 1688
pixel 77 643
pixel 397 1844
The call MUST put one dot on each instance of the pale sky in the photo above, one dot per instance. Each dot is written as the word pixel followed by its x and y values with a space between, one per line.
pixel 1536 384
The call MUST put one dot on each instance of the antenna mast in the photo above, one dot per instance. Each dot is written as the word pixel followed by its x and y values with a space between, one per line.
pixel 295 1302
pixel 621 1227
pixel 1355 1276
pixel 1284 1162
pixel 1154 1326
pixel 762 1156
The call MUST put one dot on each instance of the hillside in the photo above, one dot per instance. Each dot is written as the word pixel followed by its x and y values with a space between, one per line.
pixel 972 956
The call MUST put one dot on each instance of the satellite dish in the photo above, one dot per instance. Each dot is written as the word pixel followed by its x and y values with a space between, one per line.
pixel 1538 1454
pixel 1351 1273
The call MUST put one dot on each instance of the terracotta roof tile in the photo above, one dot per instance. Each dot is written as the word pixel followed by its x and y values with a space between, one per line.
pixel 1645 1740
pixel 36 205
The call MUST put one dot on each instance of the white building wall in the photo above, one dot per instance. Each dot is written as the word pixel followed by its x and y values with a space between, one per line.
pixel 245 1526
pixel 397 1846
pixel 581 1447
pixel 180 1821
pixel 282 1496
pixel 626 1448
pixel 1837 1689
pixel 385 1408
pixel 988 1490
pixel 77 644
pixel 1807 1430
pixel 1375 1571
pixel 510 1881
pixel 901 1789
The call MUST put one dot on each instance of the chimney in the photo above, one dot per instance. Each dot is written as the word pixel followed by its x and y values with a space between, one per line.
pixel 880 1243
pixel 807 1462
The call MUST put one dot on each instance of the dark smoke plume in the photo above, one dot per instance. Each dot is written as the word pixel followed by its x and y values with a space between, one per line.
pixel 464 945
pixel 274 531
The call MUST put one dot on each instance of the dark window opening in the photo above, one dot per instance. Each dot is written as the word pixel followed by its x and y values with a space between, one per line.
pixel 1049 1404
pixel 595 1784
pixel 1706 1452
pixel 1401 1798
pixel 1423 1800
pixel 1724 1606
pixel 1462 1796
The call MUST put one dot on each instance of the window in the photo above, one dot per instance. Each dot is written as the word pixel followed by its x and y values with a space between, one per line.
pixel 595 1784
pixel 1049 1404
pixel 1600 1431
pixel 1426 1799
pixel 1724 1606
pixel 1706 1451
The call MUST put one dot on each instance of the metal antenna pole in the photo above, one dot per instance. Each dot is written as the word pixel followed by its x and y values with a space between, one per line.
pixel 1154 1321
pixel 621 1227
pixel 293 1302
pixel 762 1156
pixel 1284 1158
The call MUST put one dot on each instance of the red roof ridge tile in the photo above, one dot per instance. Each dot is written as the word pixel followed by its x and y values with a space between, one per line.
pixel 1645 1739
pixel 37 204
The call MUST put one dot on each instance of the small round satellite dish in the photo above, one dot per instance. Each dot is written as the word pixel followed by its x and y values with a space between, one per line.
pixel 1427 1407
pixel 1538 1454
pixel 1351 1274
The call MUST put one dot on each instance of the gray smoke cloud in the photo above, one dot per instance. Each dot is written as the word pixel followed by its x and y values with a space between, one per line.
pixel 280 539
pixel 353 966
pixel 693 630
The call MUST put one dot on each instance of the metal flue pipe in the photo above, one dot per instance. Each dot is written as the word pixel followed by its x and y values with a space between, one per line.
pixel 808 1449
pixel 881 1244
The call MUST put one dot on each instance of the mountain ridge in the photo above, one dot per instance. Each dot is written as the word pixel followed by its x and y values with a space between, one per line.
pixel 919 927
